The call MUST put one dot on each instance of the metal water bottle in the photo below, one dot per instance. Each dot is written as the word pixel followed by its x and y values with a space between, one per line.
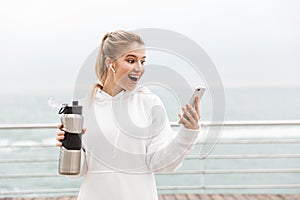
pixel 70 151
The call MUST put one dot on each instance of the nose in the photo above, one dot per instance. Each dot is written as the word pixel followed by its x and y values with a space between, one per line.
pixel 139 67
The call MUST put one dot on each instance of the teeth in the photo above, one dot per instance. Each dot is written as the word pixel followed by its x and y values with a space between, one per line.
pixel 134 76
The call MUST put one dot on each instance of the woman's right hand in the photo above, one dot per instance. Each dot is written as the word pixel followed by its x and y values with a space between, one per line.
pixel 61 135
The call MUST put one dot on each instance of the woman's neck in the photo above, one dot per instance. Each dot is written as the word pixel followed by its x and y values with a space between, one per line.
pixel 111 88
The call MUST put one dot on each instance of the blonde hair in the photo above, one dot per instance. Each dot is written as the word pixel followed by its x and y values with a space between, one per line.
pixel 113 45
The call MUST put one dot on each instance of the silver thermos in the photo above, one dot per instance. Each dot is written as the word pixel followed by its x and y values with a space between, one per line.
pixel 70 151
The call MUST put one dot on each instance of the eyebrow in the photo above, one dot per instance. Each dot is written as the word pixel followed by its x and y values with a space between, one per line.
pixel 131 55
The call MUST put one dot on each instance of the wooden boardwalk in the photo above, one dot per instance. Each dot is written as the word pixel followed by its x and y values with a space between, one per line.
pixel 196 197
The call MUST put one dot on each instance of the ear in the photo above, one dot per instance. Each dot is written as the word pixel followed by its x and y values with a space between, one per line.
pixel 107 62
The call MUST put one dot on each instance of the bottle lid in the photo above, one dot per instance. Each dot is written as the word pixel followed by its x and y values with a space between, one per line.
pixel 74 109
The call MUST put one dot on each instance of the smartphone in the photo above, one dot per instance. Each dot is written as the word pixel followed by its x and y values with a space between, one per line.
pixel 198 92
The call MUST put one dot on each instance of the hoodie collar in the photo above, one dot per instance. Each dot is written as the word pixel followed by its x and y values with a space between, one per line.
pixel 103 96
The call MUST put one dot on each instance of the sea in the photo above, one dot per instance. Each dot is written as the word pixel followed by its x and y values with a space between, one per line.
pixel 241 104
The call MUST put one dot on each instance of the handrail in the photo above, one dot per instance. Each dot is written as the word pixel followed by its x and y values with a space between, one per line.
pixel 247 123
pixel 190 157
pixel 223 141
pixel 28 126
pixel 27 145
pixel 173 124
pixel 40 191
pixel 207 187
pixel 246 156
pixel 27 160
pixel 9 176
pixel 183 172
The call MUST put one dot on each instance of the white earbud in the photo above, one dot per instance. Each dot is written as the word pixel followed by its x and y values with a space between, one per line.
pixel 111 67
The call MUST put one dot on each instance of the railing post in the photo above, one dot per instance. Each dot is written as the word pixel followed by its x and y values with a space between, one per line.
pixel 202 176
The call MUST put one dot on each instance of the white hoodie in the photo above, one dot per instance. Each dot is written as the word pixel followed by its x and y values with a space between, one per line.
pixel 128 138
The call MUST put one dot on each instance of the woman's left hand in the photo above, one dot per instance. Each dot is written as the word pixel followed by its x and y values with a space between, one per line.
pixel 192 114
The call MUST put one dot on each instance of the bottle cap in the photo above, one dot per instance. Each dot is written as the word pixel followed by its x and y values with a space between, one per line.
pixel 74 109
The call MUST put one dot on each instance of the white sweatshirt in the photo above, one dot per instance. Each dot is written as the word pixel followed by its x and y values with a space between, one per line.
pixel 128 138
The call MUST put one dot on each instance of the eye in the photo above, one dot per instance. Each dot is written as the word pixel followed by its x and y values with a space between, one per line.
pixel 143 62
pixel 131 61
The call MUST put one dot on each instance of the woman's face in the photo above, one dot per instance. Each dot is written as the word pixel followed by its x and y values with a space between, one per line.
pixel 130 67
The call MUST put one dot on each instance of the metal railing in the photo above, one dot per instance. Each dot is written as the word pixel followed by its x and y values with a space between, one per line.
pixel 202 172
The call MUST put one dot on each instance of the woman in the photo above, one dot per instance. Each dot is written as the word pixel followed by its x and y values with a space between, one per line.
pixel 128 135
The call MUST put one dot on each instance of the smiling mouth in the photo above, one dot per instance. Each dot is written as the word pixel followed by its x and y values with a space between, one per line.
pixel 133 78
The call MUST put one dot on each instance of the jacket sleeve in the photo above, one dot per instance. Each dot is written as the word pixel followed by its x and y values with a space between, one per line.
pixel 166 150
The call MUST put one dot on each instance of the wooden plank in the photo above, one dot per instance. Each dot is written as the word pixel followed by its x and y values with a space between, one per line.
pixel 216 197
pixel 180 197
pixel 228 197
pixel 161 197
pixel 262 197
pixel 204 197
pixel 274 197
pixel 290 197
pixel 193 196
pixel 169 197
pixel 242 197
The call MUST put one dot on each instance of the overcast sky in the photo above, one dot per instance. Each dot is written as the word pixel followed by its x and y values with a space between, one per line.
pixel 251 42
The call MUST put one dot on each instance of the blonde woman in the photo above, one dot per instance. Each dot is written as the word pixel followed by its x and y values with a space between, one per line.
pixel 118 161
